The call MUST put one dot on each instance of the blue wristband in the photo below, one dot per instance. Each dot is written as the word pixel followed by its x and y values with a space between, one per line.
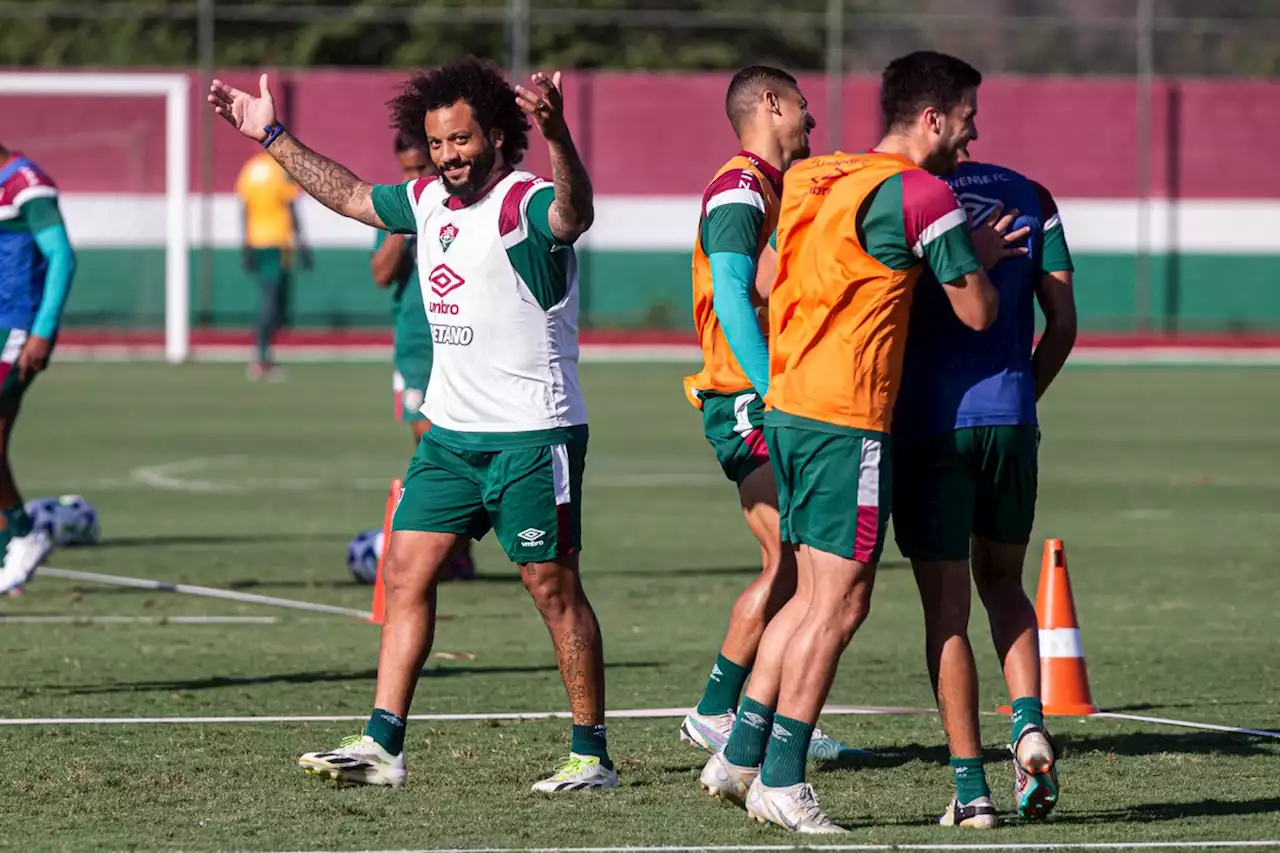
pixel 273 132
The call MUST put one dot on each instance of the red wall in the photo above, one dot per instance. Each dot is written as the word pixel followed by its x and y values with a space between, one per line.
pixel 665 133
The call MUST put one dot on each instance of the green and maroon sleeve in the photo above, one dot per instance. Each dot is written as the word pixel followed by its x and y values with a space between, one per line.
pixel 396 204
pixel 1055 256
pixel 915 217
pixel 733 212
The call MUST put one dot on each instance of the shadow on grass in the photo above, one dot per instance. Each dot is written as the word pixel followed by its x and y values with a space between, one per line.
pixel 1156 743
pixel 1150 812
pixel 316 677
pixel 236 539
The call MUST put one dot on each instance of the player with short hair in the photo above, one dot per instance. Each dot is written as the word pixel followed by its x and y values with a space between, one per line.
pixel 37 265
pixel 394 266
pixel 855 233
pixel 965 440
pixel 770 117
pixel 508 438
pixel 272 241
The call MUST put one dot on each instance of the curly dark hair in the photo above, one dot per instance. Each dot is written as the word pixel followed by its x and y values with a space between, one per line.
pixel 469 79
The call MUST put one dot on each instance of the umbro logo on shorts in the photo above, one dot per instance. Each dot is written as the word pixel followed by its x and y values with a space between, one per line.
pixel 532 537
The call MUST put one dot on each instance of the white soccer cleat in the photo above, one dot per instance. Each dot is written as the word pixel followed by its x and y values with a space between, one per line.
pixel 794 808
pixel 359 759
pixel 578 773
pixel 22 557
pixel 979 814
pixel 726 781
pixel 1035 776
pixel 707 731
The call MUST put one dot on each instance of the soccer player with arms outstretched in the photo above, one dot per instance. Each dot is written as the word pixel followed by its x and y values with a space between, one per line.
pixel 855 233
pixel 770 117
pixel 965 440
pixel 37 264
pixel 508 438
pixel 395 266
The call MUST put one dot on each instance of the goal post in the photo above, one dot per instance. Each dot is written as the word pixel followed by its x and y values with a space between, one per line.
pixel 175 89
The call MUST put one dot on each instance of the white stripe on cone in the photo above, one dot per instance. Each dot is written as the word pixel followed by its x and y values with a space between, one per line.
pixel 1061 643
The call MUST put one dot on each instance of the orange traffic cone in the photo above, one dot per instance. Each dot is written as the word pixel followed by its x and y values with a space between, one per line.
pixel 1064 681
pixel 379 594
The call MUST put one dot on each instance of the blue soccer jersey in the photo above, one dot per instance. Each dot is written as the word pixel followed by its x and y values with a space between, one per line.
pixel 954 377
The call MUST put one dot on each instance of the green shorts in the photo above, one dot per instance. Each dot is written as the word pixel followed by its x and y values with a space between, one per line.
pixel 532 497
pixel 12 386
pixel 834 485
pixel 977 481
pixel 734 427
pixel 408 397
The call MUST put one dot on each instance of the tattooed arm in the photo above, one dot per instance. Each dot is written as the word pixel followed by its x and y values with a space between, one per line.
pixel 332 184
pixel 573 211
pixel 329 183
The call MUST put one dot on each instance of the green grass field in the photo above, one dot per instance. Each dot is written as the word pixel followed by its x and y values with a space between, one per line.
pixel 1165 485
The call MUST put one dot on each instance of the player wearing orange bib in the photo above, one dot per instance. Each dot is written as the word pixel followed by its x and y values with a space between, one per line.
pixel 855 232
pixel 770 116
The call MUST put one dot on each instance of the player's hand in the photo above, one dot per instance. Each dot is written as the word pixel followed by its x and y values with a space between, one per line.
pixel 247 114
pixel 34 357
pixel 992 239
pixel 545 106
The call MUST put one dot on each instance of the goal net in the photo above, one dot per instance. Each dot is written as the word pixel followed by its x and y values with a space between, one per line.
pixel 117 146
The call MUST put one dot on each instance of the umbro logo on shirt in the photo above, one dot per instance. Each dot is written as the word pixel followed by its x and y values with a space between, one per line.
pixel 444 280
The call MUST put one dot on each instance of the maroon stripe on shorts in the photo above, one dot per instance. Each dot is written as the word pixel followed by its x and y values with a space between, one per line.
pixel 757 445
pixel 564 530
pixel 867 535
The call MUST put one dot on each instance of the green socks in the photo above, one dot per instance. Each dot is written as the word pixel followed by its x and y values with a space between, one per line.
pixel 1027 711
pixel 723 687
pixel 750 734
pixel 19 521
pixel 591 740
pixel 387 729
pixel 788 749
pixel 971 779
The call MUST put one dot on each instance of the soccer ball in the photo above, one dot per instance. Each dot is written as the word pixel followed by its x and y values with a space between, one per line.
pixel 70 520
pixel 362 555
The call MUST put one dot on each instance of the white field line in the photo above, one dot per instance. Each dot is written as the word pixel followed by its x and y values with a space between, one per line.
pixel 1211 727
pixel 206 591
pixel 138 620
pixel 649 353
pixel 194 476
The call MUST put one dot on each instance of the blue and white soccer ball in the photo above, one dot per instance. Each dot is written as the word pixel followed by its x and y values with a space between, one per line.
pixel 362 555
pixel 70 520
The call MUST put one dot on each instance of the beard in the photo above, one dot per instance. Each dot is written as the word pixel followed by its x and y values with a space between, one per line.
pixel 477 176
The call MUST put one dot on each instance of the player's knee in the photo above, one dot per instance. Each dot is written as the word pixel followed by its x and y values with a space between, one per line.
pixel 844 615
pixel 410 572
pixel 551 586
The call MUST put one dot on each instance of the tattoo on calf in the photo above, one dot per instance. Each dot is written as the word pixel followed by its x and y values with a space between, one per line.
pixel 571 648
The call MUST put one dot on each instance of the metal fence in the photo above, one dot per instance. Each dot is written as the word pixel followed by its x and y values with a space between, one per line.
pixel 1143 41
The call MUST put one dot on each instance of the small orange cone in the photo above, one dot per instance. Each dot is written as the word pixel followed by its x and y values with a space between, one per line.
pixel 379 594
pixel 1064 681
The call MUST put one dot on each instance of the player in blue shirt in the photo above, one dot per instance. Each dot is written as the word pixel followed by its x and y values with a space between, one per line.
pixel 965 470
pixel 37 264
